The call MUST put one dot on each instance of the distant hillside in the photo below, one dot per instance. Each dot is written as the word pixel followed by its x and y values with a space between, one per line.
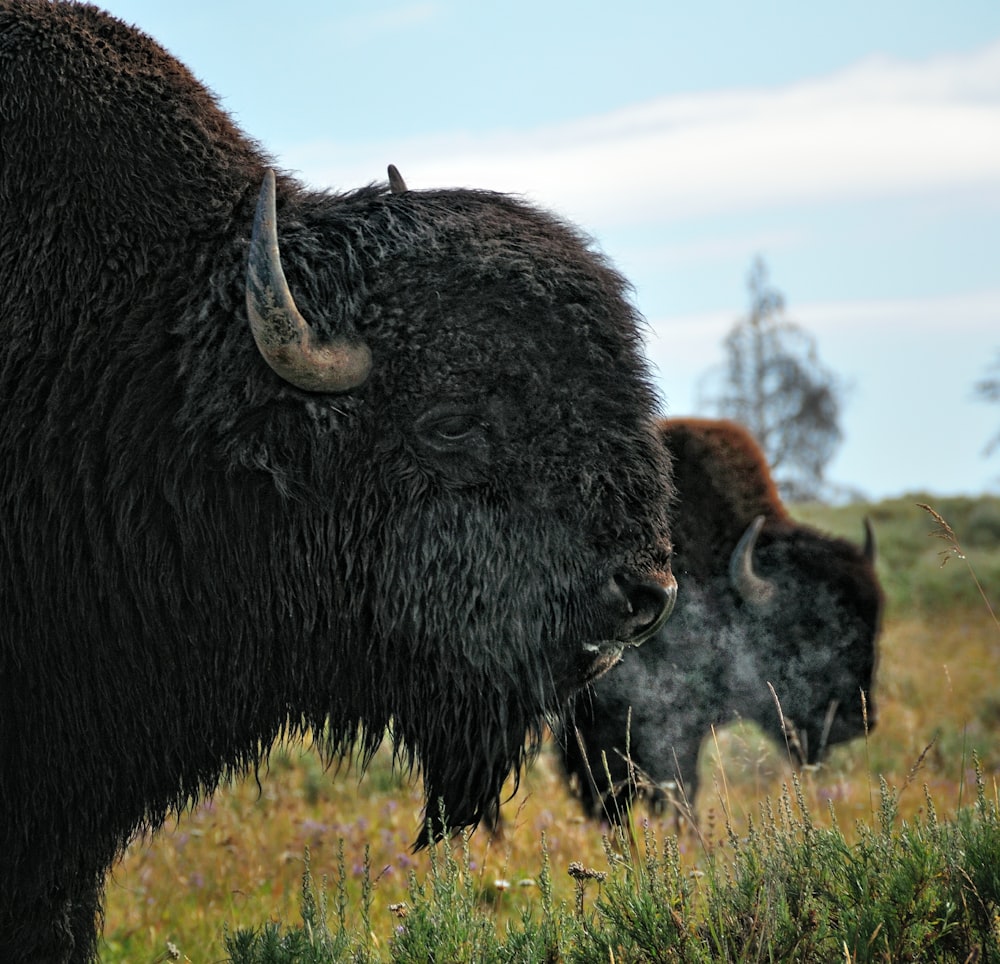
pixel 919 570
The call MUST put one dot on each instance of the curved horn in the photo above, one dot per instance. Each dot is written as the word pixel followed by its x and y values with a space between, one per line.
pixel 870 549
pixel 754 590
pixel 284 338
pixel 396 183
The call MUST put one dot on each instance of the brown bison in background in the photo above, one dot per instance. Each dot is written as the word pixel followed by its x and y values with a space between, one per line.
pixel 762 600
pixel 344 462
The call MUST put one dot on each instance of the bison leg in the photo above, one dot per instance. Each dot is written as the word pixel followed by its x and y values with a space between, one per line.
pixel 56 930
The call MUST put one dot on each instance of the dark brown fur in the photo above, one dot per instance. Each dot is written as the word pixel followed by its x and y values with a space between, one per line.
pixel 196 556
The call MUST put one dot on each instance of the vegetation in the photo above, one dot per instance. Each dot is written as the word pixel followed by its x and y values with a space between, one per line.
pixel 889 851
pixel 788 891
pixel 772 382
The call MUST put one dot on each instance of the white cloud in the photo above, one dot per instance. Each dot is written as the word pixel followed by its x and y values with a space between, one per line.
pixel 968 313
pixel 741 246
pixel 695 340
pixel 395 18
pixel 880 127
pixel 975 313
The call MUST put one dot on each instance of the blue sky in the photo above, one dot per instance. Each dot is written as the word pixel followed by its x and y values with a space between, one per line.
pixel 854 146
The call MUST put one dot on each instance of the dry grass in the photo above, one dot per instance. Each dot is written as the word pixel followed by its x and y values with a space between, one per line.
pixel 238 860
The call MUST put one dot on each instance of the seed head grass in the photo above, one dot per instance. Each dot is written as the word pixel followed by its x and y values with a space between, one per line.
pixel 953 550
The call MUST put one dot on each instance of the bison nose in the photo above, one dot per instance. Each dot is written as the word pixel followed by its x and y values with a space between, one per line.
pixel 647 605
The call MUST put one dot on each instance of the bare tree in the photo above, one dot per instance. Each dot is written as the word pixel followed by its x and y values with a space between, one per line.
pixel 773 382
pixel 988 390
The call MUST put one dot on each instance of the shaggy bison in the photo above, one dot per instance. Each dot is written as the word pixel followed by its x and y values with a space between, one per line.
pixel 762 600
pixel 276 459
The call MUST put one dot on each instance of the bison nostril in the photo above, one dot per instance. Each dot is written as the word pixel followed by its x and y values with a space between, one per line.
pixel 649 606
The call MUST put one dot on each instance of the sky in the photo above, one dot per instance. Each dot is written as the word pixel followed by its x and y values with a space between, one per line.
pixel 855 147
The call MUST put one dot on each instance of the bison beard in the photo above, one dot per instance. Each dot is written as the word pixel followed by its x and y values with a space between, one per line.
pixel 465 723
pixel 419 491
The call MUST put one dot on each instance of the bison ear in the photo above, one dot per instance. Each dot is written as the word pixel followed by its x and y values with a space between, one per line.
pixel 753 590
pixel 284 338
pixel 396 183
pixel 870 549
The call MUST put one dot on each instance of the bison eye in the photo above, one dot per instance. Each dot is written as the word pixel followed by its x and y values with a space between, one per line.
pixel 456 428
pixel 456 440
pixel 451 426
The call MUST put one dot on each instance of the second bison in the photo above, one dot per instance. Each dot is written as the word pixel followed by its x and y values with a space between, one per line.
pixel 764 602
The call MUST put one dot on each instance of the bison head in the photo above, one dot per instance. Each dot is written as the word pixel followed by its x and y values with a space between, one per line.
pixel 813 605
pixel 785 639
pixel 467 409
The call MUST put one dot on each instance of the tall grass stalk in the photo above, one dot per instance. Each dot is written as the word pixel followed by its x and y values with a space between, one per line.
pixel 953 549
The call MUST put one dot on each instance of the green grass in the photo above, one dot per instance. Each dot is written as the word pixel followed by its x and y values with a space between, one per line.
pixel 788 890
pixel 918 572
pixel 776 869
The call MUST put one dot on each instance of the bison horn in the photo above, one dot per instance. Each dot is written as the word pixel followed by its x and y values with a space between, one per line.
pixel 284 338
pixel 870 548
pixel 396 183
pixel 753 590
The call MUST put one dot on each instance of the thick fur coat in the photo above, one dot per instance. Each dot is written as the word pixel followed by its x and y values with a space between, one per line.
pixel 197 556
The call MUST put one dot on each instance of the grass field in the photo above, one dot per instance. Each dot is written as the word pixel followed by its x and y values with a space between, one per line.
pixel 238 859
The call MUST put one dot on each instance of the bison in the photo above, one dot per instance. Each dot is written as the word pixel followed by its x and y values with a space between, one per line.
pixel 762 601
pixel 277 460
